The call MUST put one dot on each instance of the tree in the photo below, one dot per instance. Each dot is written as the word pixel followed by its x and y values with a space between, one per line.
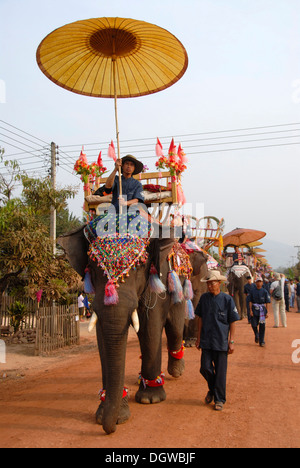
pixel 10 179
pixel 26 251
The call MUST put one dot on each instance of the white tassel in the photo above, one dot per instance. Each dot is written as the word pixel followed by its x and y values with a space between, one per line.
pixel 135 321
pixel 92 322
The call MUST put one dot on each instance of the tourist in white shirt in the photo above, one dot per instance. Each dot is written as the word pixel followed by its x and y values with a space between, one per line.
pixel 81 306
pixel 278 305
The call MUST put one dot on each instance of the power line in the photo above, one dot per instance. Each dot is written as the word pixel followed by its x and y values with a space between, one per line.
pixel 191 134
pixel 26 133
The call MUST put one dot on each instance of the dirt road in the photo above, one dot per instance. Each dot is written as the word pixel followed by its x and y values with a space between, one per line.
pixel 51 402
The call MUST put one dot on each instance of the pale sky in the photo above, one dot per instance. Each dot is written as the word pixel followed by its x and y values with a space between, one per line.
pixel 243 78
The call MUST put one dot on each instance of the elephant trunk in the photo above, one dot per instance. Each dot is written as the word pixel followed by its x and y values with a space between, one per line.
pixel 115 354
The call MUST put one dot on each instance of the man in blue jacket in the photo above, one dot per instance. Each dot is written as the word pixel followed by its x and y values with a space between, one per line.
pixel 216 331
pixel 259 299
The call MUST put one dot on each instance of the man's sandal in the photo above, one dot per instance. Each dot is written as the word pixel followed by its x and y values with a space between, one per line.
pixel 218 406
pixel 209 398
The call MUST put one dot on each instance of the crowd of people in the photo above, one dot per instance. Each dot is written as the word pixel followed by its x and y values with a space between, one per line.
pixel 284 295
pixel 217 316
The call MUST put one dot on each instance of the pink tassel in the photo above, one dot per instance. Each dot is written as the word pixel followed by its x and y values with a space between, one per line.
pixel 155 283
pixel 189 310
pixel 111 295
pixel 188 290
pixel 174 287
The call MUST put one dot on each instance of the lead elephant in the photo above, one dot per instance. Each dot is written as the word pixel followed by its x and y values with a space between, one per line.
pixel 114 320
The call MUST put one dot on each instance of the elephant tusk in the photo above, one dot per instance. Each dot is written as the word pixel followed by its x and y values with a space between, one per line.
pixel 92 322
pixel 135 321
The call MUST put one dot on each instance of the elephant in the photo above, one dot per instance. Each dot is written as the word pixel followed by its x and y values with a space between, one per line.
pixel 157 313
pixel 236 283
pixel 114 321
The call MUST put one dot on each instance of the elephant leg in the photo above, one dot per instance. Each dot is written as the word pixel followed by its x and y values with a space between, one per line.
pixel 174 331
pixel 112 339
pixel 124 413
pixel 151 388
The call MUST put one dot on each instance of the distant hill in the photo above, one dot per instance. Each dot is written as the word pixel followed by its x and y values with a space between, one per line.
pixel 279 254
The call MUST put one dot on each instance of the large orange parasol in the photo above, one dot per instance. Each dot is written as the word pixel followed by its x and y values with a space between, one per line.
pixel 239 237
pixel 112 58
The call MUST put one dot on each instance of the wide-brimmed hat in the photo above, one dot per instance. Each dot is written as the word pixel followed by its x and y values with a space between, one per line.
pixel 139 166
pixel 213 275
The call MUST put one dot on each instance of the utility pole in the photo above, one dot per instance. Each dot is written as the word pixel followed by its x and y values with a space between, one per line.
pixel 53 210
pixel 298 247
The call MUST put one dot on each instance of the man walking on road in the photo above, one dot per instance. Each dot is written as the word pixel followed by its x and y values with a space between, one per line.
pixel 216 331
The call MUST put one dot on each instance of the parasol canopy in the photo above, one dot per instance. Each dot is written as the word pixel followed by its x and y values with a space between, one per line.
pixel 239 237
pixel 112 58
pixel 258 250
pixel 104 57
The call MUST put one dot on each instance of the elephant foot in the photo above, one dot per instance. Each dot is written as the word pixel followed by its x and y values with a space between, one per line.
pixel 176 367
pixel 124 413
pixel 150 395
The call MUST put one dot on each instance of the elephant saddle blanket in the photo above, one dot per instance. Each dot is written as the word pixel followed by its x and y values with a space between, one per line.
pixel 240 270
pixel 118 243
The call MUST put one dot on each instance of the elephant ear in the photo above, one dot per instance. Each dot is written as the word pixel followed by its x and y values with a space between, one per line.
pixel 160 247
pixel 76 247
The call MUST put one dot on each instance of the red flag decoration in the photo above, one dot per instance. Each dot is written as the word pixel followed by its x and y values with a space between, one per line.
pixel 99 162
pixel 39 295
pixel 112 151
pixel 181 155
pixel 83 157
pixel 172 152
pixel 172 148
pixel 159 149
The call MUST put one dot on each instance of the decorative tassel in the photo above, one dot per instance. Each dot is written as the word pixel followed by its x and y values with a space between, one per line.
pixel 88 285
pixel 189 310
pixel 188 290
pixel 111 295
pixel 155 283
pixel 174 287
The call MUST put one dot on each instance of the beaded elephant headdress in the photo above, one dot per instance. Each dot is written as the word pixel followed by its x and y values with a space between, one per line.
pixel 118 243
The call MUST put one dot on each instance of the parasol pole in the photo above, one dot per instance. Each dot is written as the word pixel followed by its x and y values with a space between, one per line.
pixel 114 59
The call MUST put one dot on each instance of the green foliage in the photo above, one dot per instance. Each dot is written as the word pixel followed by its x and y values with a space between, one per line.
pixel 17 313
pixel 26 251
pixel 13 175
pixel 40 195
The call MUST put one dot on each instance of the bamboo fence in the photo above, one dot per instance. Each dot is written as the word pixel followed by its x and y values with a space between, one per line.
pixel 56 326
